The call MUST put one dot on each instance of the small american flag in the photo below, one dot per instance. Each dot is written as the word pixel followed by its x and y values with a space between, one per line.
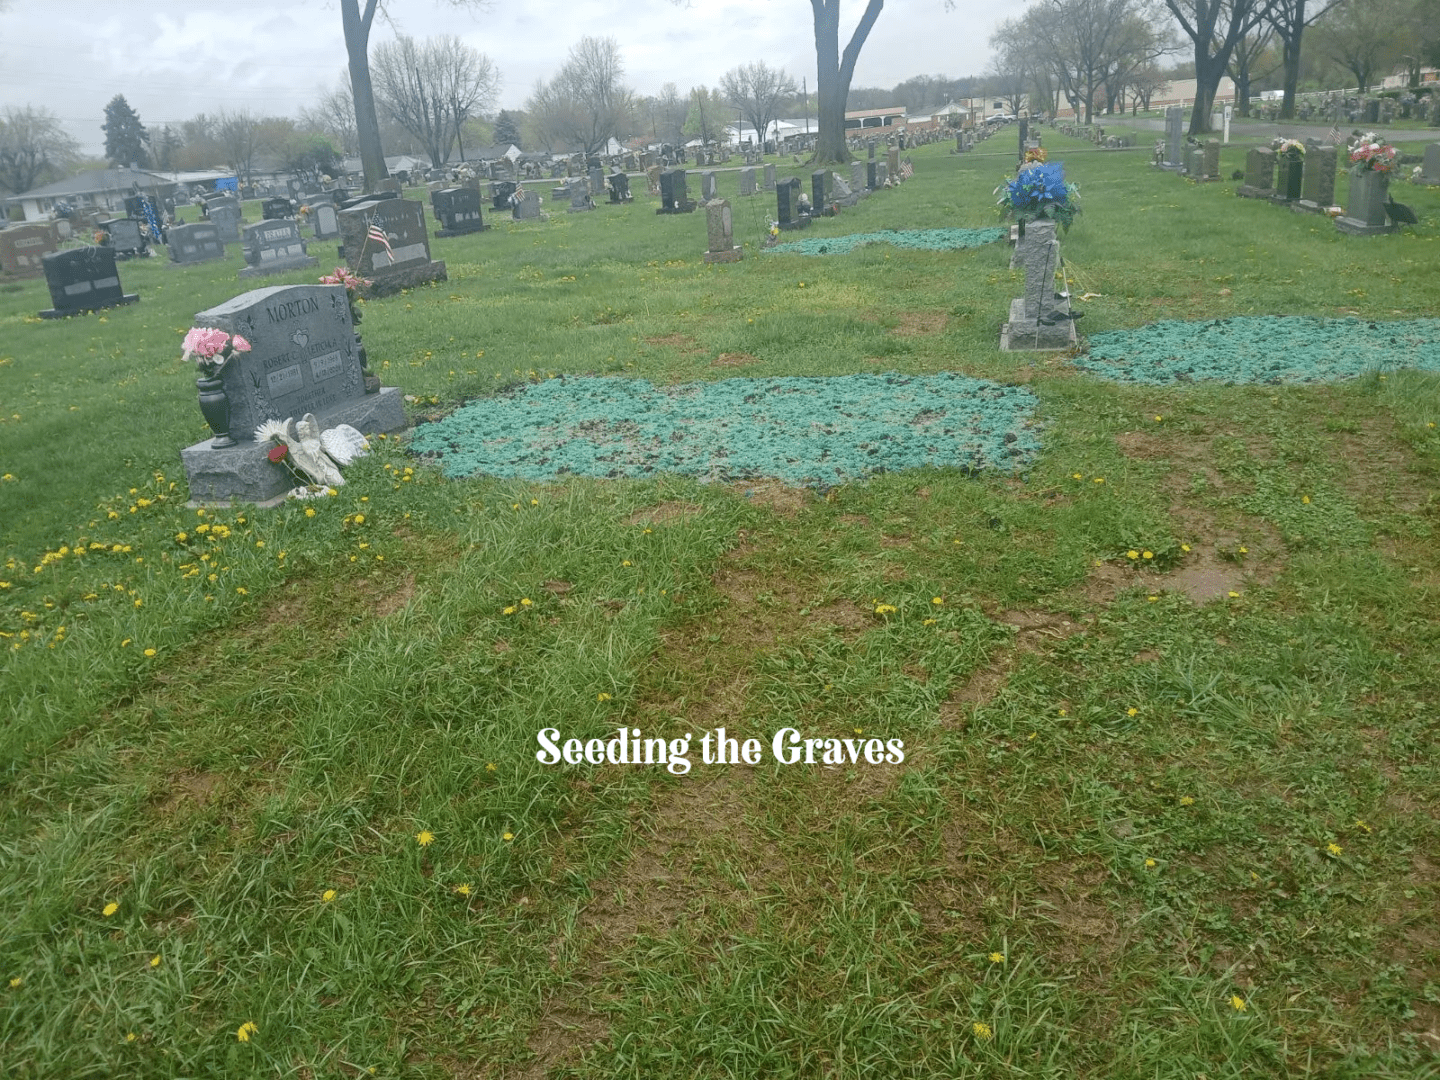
pixel 375 232
pixel 907 170
pixel 1335 136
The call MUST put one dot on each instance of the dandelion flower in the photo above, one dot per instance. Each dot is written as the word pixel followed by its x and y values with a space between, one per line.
pixel 309 511
pixel 1149 864
pixel 602 696
pixel 149 652
pixel 507 837
pixel 1184 547
pixel 110 909
pixel 490 767
pixel 982 1031
pixel 1238 1003
pixel 1147 554
pixel 359 519
pixel 1305 499
pixel 509 610
pixel 526 602
pixel 130 1036
pixel 1233 594
pixel 1334 849
pixel 997 957
pixel 1187 800
pixel 937 600
pixel 327 895
pixel 884 609
pixel 1132 711
pixel 424 838
pixel 1132 554
pixel 462 890
pixel 16 981
pixel 155 960
pixel 247 1029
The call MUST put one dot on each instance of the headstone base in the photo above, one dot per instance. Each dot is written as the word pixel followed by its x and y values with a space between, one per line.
pixel 1308 206
pixel 687 207
pixel 279 266
pixel 1352 226
pixel 801 222
pixel 53 313
pixel 392 281
pixel 733 255
pixel 466 230
pixel 243 473
pixel 1245 191
pixel 1030 335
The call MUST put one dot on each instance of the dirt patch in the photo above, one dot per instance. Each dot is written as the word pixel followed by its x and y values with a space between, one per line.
pixel 843 614
pixel 785 501
pixel 976 692
pixel 684 343
pixel 194 788
pixel 395 599
pixel 916 323
pixel 1037 629
pixel 559 1039
pixel 734 359
pixel 664 513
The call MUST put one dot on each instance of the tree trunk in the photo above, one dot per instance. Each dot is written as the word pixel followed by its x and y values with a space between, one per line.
pixel 833 73
pixel 1291 53
pixel 367 124
pixel 1208 72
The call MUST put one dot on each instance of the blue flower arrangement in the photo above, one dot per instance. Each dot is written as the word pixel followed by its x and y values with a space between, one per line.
pixel 1039 191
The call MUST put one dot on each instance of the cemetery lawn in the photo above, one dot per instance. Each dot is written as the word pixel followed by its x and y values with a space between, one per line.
pixel 271 803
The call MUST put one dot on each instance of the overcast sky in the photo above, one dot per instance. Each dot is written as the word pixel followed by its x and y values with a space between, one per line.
pixel 173 59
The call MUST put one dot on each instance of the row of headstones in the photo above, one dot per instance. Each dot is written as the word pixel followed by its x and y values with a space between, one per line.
pixel 1306 182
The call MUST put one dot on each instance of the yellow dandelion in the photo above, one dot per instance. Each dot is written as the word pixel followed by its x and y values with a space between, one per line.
pixel 149 652
pixel 359 519
pixel 309 511
pixel 534 502
pixel 928 622
pixel 155 960
pixel 247 1029
pixel 1244 551
pixel 507 837
pixel 937 600
pixel 1077 476
pixel 1132 554
pixel 1099 479
pixel 884 609
pixel 997 957
pixel 16 982
pixel 526 601
pixel 327 896
pixel 1238 1003
pixel 1149 864
pixel 1187 800
pixel 462 890
pixel 602 696
pixel 1233 594
pixel 1184 547
pixel 110 909
pixel 1147 554
pixel 1132 711
pixel 1360 824
pixel 1158 419
pixel 490 767
pixel 130 1036
pixel 1305 499
pixel 982 1031
pixel 1334 849
pixel 509 610
pixel 424 838
pixel 625 562
pixel 1063 712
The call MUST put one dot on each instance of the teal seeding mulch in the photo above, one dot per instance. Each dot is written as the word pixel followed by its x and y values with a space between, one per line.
pixel 1262 349
pixel 922 239
pixel 810 431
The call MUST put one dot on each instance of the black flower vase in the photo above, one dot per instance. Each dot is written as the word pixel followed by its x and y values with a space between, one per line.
pixel 372 381
pixel 215 407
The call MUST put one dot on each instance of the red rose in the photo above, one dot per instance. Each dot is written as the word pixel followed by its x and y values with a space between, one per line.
pixel 277 453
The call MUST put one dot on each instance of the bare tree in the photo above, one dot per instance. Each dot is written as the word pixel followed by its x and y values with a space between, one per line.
pixel 238 135
pixel 587 101
pixel 833 72
pixel 1214 27
pixel 32 143
pixel 334 116
pixel 1288 20
pixel 1243 60
pixel 1092 46
pixel 431 88
pixel 757 89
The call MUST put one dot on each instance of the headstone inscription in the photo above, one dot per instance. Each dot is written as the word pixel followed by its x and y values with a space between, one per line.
pixel 124 237
pixel 619 185
pixel 1430 169
pixel 1259 174
pixel 1040 320
pixel 23 247
pixel 327 221
pixel 386 241
pixel 457 210
pixel 195 244
pixel 1174 137
pixel 1317 187
pixel 83 279
pixel 273 247
pixel 720 230
pixel 747 181
pixel 224 214
pixel 526 205
pixel 787 205
pixel 303 358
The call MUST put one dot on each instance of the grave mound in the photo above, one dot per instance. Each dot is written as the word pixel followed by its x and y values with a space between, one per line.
pixel 1262 349
pixel 919 239
pixel 804 431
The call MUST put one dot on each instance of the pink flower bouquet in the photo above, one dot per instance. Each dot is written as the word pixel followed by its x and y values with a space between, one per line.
pixel 211 349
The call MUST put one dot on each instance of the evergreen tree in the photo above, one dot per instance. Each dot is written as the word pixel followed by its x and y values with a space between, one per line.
pixel 125 136
pixel 507 129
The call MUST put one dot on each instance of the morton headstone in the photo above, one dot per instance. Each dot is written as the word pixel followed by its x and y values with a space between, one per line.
pixel 303 358
pixel 273 247
pixel 385 241
pixel 83 279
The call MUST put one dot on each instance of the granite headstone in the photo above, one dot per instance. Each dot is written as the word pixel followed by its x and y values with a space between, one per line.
pixel 83 279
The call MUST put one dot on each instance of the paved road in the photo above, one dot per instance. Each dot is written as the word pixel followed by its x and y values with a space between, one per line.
pixel 1265 130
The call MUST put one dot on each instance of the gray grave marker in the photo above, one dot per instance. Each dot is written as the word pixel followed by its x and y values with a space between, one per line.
pixel 720 230
pixel 83 279
pixel 197 243
pixel 273 247
pixel 400 260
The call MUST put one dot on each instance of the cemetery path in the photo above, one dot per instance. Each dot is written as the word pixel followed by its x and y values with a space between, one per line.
pixel 1265 130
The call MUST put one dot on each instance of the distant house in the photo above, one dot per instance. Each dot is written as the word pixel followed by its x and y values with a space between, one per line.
pixel 102 189
pixel 875 121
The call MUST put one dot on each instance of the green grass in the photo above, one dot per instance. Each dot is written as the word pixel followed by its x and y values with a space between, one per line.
pixel 1147 808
